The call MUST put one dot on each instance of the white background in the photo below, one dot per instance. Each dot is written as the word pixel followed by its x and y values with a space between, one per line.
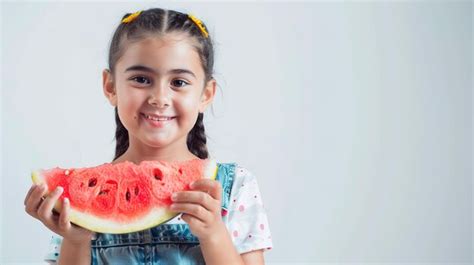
pixel 356 118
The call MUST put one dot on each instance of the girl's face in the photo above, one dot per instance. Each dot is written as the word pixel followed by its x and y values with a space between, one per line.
pixel 159 78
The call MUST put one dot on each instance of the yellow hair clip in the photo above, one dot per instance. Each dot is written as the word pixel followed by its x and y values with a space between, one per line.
pixel 131 17
pixel 199 24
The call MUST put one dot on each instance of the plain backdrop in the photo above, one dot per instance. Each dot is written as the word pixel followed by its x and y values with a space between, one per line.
pixel 356 118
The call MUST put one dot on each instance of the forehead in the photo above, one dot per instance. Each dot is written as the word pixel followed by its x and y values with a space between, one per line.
pixel 171 51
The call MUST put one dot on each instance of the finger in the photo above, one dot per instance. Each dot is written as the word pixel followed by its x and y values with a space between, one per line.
pixel 35 200
pixel 32 188
pixel 45 211
pixel 191 220
pixel 195 210
pixel 212 187
pixel 196 197
pixel 64 215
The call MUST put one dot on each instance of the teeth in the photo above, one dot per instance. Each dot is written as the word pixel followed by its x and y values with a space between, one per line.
pixel 157 119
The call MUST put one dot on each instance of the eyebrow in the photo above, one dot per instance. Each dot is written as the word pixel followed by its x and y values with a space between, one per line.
pixel 150 70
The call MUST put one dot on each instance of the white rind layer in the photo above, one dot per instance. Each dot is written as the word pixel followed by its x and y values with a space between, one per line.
pixel 156 216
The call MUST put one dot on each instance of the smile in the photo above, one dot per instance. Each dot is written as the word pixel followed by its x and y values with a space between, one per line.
pixel 155 121
pixel 163 118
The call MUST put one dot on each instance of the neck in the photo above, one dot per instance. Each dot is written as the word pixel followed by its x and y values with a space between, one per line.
pixel 138 151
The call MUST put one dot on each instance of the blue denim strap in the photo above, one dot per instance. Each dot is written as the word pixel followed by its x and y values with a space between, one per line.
pixel 226 175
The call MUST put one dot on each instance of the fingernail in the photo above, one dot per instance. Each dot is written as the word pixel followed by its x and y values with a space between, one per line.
pixel 174 197
pixel 66 200
pixel 59 189
pixel 192 185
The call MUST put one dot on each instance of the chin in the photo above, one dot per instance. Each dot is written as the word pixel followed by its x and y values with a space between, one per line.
pixel 159 141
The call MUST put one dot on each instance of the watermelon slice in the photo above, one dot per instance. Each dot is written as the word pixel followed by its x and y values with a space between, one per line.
pixel 123 197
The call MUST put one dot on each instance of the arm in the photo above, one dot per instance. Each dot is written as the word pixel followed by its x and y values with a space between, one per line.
pixel 74 253
pixel 221 250
pixel 201 208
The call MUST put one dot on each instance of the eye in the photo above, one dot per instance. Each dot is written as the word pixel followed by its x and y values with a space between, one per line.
pixel 139 79
pixel 179 83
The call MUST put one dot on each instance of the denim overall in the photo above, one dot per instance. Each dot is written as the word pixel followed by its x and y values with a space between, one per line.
pixel 162 244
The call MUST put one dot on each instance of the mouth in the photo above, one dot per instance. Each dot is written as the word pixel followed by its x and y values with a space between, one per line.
pixel 157 121
pixel 157 118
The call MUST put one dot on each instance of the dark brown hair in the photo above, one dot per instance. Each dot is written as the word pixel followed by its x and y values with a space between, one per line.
pixel 156 22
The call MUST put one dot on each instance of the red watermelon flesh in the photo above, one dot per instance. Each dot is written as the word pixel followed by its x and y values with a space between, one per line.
pixel 124 197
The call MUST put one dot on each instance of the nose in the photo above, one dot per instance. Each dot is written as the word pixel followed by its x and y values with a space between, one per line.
pixel 159 96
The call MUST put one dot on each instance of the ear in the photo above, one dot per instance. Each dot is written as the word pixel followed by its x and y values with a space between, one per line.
pixel 207 95
pixel 109 87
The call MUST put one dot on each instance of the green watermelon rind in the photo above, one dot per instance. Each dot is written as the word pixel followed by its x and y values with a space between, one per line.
pixel 156 216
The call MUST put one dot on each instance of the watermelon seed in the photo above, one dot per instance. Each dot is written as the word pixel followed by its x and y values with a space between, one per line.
pixel 92 182
pixel 158 174
pixel 102 192
pixel 127 195
pixel 136 190
pixel 180 171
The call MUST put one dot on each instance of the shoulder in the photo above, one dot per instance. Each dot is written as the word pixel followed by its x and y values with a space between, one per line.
pixel 242 171
pixel 241 175
pixel 245 186
pixel 244 177
pixel 239 171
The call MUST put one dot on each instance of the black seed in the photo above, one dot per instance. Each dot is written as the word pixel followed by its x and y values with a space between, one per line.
pixel 127 195
pixel 158 174
pixel 92 182
pixel 102 192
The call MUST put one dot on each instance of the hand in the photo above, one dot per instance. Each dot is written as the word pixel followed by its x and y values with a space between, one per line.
pixel 42 209
pixel 201 208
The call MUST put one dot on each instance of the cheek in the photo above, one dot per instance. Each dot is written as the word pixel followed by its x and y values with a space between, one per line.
pixel 188 107
pixel 187 111
pixel 128 106
pixel 190 102
pixel 128 100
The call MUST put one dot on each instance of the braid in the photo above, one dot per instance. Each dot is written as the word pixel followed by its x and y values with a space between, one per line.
pixel 121 137
pixel 197 139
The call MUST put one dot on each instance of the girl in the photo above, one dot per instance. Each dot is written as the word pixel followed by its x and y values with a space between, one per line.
pixel 160 82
